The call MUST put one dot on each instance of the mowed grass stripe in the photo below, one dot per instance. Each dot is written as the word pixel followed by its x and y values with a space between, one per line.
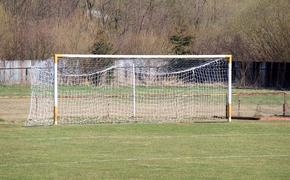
pixel 150 159
pixel 141 137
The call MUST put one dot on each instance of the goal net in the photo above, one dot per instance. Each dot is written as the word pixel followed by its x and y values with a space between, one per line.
pixel 86 89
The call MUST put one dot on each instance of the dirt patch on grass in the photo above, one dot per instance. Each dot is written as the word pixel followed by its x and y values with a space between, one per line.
pixel 14 110
pixel 276 118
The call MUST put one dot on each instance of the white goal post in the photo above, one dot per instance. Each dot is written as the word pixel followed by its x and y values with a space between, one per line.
pixel 87 88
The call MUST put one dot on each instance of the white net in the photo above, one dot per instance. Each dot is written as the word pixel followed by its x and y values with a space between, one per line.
pixel 129 90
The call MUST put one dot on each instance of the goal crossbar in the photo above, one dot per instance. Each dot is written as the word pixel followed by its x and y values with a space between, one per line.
pixel 229 57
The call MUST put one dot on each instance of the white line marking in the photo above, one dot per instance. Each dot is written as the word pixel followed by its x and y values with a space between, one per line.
pixel 145 159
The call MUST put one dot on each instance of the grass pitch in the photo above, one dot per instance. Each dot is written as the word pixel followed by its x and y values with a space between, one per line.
pixel 238 150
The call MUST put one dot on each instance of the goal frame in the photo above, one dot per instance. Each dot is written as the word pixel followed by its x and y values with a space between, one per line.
pixel 229 59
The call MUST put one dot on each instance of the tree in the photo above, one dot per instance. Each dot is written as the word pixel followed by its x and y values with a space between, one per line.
pixel 181 42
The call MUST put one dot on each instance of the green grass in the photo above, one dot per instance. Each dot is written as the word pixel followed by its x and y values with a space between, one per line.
pixel 21 90
pixel 277 99
pixel 15 90
pixel 238 150
pixel 149 90
pixel 25 90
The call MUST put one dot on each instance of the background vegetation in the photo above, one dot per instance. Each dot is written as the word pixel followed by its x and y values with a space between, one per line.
pixel 251 30
pixel 256 32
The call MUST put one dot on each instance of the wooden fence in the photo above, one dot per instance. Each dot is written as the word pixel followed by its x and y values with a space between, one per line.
pixel 15 72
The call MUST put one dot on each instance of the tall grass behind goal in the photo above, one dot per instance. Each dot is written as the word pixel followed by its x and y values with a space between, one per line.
pixel 86 89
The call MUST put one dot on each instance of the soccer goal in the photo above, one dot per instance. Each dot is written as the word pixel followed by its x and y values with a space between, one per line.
pixel 86 89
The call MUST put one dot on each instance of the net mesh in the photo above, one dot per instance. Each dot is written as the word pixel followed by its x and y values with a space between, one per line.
pixel 129 90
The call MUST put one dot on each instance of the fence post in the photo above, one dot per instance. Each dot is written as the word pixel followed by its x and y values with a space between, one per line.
pixel 239 105
pixel 134 89
pixel 26 75
pixel 285 105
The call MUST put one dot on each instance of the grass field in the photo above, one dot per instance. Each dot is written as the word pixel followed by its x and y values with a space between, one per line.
pixel 238 150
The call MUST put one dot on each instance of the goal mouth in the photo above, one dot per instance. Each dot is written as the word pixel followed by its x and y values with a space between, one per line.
pixel 89 89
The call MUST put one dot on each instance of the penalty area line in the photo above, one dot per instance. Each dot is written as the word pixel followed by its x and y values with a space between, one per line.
pixel 145 159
